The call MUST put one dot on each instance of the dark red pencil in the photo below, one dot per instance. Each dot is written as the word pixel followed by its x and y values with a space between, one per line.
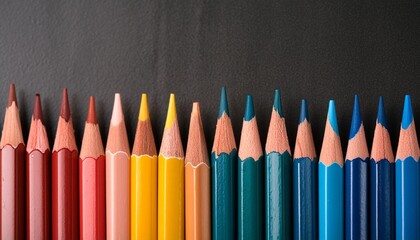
pixel 12 173
pixel 92 180
pixel 65 178
pixel 38 178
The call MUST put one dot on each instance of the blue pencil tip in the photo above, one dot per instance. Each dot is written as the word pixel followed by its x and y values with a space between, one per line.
pixel 356 120
pixel 304 112
pixel 407 113
pixel 223 103
pixel 249 108
pixel 277 102
pixel 332 116
pixel 381 118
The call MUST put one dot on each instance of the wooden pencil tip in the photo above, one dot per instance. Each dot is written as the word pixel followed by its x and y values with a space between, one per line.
pixel 171 117
pixel 144 108
pixel 223 108
pixel 91 117
pixel 117 113
pixel 196 108
pixel 37 108
pixel 407 113
pixel 65 107
pixel 304 111
pixel 12 95
pixel 381 118
pixel 356 121
pixel 277 102
pixel 332 116
pixel 249 109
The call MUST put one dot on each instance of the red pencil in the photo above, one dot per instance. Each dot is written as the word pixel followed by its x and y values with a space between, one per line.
pixel 12 173
pixel 38 195
pixel 65 177
pixel 92 179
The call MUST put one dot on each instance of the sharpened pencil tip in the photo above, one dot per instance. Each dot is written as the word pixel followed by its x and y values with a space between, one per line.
pixel 37 108
pixel 91 117
pixel 144 108
pixel 407 113
pixel 332 116
pixel 223 108
pixel 171 116
pixel 304 112
pixel 117 113
pixel 381 118
pixel 356 120
pixel 277 102
pixel 196 108
pixel 65 107
pixel 249 109
pixel 12 95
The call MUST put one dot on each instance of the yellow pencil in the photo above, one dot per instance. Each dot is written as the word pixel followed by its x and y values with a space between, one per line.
pixel 171 179
pixel 144 178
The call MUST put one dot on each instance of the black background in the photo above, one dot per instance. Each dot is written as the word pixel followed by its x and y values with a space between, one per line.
pixel 316 50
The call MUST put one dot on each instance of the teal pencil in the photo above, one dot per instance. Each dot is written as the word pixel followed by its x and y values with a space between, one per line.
pixel 331 182
pixel 278 176
pixel 250 179
pixel 223 176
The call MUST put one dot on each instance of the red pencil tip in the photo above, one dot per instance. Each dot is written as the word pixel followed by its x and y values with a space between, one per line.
pixel 65 108
pixel 12 95
pixel 91 117
pixel 37 108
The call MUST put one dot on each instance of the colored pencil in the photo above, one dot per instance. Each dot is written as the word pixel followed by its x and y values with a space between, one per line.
pixel 331 181
pixel 65 177
pixel 144 178
pixel 38 178
pixel 197 181
pixel 382 181
pixel 12 171
pixel 407 177
pixel 117 175
pixel 223 175
pixel 278 176
pixel 171 179
pixel 92 179
pixel 356 179
pixel 304 180
pixel 250 178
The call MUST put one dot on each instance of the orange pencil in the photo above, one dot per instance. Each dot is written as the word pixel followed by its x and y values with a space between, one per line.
pixel 197 181
pixel 117 176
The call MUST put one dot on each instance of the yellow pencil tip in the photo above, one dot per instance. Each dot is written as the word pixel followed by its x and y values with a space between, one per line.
pixel 170 118
pixel 144 108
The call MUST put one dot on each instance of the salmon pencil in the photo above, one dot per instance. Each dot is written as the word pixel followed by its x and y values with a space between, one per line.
pixel 171 179
pixel 12 171
pixel 117 174
pixel 92 179
pixel 197 181
pixel 356 180
pixel 407 178
pixel 38 178
pixel 144 178
pixel 65 177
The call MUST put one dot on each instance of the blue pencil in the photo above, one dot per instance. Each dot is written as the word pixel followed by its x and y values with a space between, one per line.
pixel 356 179
pixel 331 187
pixel 304 180
pixel 382 181
pixel 407 177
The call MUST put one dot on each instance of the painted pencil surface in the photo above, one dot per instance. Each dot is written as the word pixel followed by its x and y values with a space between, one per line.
pixel 331 181
pixel 197 181
pixel 92 179
pixel 65 177
pixel 356 180
pixel 171 179
pixel 144 178
pixel 407 178
pixel 382 181
pixel 304 180
pixel 38 178
pixel 12 173
pixel 223 175
pixel 278 176
pixel 117 176
pixel 250 178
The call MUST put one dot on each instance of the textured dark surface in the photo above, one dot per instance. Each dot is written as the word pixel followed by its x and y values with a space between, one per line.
pixel 313 49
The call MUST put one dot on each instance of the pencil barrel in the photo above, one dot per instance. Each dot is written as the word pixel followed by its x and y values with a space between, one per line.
pixel 278 196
